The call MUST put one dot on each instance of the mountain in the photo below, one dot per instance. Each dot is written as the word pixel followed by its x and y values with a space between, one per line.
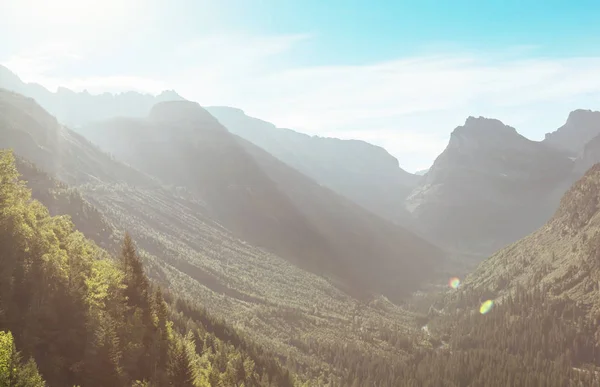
pixel 562 255
pixel 60 199
pixel 302 317
pixel 86 319
pixel 74 109
pixel 589 156
pixel 31 131
pixel 580 128
pixel 528 315
pixel 422 172
pixel 489 187
pixel 364 173
pixel 266 202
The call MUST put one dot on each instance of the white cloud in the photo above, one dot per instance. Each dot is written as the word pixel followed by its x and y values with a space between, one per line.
pixel 32 65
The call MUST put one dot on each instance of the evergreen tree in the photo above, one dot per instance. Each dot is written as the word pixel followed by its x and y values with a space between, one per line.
pixel 181 372
pixel 13 371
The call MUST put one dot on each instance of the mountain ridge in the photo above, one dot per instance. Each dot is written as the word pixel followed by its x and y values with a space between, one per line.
pixel 257 195
pixel 488 171
pixel 581 127
pixel 364 173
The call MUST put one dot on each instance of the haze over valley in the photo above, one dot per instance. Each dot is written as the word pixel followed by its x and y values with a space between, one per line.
pixel 355 221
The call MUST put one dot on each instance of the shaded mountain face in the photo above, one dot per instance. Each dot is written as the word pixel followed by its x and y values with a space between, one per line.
pixel 364 173
pixel 74 109
pixel 589 156
pixel 581 127
pixel 563 256
pixel 39 137
pixel 488 188
pixel 266 202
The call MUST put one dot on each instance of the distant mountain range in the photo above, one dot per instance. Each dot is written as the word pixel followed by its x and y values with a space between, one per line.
pixel 312 245
pixel 365 173
pixel 263 200
pixel 490 186
pixel 74 109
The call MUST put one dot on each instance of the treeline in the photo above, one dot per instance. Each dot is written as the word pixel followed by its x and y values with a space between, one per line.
pixel 531 338
pixel 84 319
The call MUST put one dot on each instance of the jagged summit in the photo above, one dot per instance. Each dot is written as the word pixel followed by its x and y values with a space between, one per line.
pixel 478 131
pixel 581 126
pixel 488 188
pixel 80 108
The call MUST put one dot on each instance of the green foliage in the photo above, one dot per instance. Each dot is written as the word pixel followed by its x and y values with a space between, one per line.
pixel 87 320
pixel 13 371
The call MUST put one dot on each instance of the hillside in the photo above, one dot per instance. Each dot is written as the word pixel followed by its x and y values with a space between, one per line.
pixel 297 315
pixel 32 132
pixel 86 319
pixel 266 202
pixel 60 199
pixel 561 255
pixel 490 187
pixel 580 128
pixel 364 173
pixel 529 314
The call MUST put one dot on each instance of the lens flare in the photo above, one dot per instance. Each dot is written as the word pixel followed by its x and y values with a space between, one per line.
pixel 486 306
pixel 454 282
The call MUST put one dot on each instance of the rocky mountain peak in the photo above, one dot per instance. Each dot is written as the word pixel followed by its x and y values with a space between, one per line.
pixel 482 132
pixel 580 128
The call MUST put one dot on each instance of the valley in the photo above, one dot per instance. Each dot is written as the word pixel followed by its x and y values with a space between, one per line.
pixel 271 234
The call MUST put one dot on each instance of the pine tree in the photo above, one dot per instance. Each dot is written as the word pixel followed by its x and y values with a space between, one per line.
pixel 181 372
pixel 139 362
pixel 13 371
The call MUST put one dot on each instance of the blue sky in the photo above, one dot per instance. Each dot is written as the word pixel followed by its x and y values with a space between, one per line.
pixel 396 73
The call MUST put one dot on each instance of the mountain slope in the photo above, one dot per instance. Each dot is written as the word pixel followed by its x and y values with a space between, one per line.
pixel 76 109
pixel 90 320
pixel 60 199
pixel 529 315
pixel 488 188
pixel 362 172
pixel 589 156
pixel 580 128
pixel 30 131
pixel 296 314
pixel 562 255
pixel 265 201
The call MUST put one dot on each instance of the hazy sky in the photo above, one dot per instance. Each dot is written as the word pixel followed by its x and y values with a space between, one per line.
pixel 395 73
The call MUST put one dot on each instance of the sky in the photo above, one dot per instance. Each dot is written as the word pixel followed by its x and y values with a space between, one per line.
pixel 399 74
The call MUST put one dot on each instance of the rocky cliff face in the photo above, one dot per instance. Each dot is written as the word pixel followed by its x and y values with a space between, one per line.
pixel 488 188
